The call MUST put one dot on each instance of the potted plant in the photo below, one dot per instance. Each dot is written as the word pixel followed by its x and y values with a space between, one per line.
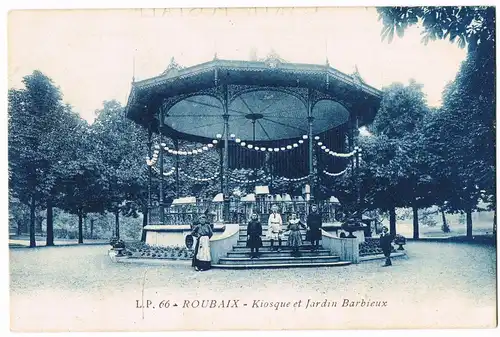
pixel 118 245
pixel 400 240
pixel 351 224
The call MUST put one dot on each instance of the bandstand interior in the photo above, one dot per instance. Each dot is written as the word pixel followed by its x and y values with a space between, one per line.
pixel 290 121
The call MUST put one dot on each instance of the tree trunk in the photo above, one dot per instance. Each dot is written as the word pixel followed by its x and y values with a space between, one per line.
pixel 445 227
pixel 416 233
pixel 117 223
pixel 91 228
pixel 50 223
pixel 392 220
pixel 495 222
pixel 85 227
pixel 38 225
pixel 80 227
pixel 468 213
pixel 19 228
pixel 32 222
pixel 144 223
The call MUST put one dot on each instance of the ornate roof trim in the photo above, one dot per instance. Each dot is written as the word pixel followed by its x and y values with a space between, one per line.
pixel 173 67
pixel 356 76
pixel 175 71
pixel 273 60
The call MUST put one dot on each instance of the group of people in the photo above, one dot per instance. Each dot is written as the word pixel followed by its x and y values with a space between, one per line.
pixel 203 231
pixel 275 231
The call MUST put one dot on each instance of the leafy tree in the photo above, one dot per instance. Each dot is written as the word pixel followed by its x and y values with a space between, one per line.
pixel 122 147
pixel 462 136
pixel 85 186
pixel 36 116
pixel 467 25
pixel 398 162
pixel 18 215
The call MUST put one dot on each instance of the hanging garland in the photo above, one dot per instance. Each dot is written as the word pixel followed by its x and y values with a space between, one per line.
pixel 200 179
pixel 248 181
pixel 336 154
pixel 335 174
pixel 166 174
pixel 253 147
pixel 172 171
pixel 189 152
pixel 154 159
pixel 295 179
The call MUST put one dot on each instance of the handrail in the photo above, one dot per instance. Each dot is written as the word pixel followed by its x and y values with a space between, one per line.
pixel 222 244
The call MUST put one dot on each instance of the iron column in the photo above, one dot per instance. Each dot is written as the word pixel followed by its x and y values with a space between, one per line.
pixel 225 166
pixel 150 169
pixel 177 190
pixel 162 211
pixel 310 139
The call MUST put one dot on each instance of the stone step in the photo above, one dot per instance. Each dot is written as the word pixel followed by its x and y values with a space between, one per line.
pixel 263 236
pixel 321 252
pixel 279 260
pixel 251 265
pixel 264 230
pixel 266 242
pixel 267 248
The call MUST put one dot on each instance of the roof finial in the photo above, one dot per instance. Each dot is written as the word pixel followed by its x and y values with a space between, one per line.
pixel 133 69
pixel 357 76
pixel 326 52
pixel 215 49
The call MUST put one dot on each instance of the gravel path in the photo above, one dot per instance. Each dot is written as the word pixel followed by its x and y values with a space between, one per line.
pixel 439 285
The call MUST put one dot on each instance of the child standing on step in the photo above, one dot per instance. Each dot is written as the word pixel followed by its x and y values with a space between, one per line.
pixel 254 231
pixel 295 237
pixel 274 227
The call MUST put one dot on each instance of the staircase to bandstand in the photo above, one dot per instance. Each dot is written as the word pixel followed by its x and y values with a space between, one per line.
pixel 239 257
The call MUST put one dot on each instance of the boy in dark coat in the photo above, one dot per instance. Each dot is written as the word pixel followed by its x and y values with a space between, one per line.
pixel 385 244
pixel 254 231
pixel 314 224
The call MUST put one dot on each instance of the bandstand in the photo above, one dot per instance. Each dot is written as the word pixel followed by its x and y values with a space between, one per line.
pixel 288 121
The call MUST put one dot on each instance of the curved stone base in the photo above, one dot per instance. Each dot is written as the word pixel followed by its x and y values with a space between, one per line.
pixel 172 235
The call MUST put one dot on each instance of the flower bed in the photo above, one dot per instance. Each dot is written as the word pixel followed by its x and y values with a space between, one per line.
pixel 371 246
pixel 142 250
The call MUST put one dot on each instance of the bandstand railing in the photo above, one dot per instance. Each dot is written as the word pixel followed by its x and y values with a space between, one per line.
pixel 240 211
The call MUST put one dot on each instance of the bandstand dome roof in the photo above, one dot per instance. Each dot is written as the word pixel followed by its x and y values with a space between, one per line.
pixel 266 100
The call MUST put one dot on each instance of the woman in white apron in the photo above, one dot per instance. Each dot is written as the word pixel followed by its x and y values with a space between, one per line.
pixel 203 232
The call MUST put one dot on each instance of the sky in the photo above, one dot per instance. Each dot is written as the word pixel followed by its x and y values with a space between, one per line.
pixel 90 54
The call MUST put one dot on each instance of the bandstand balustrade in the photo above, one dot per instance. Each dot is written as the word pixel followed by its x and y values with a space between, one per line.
pixel 239 211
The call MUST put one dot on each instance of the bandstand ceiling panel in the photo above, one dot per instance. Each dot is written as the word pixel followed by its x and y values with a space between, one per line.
pixel 261 115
